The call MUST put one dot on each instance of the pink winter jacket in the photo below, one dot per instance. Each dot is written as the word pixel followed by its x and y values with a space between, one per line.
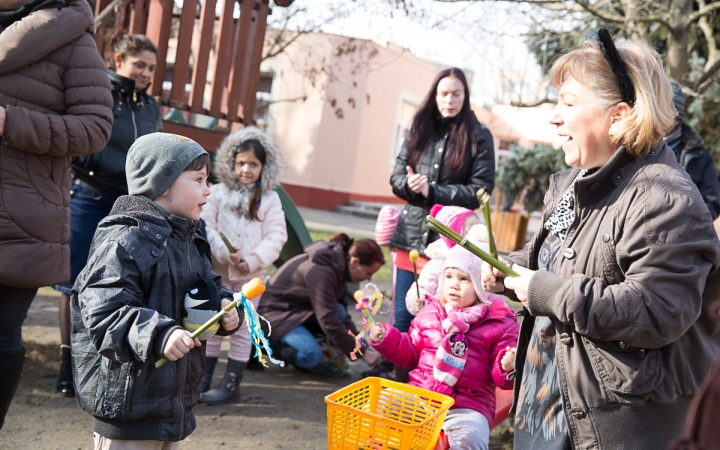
pixel 486 340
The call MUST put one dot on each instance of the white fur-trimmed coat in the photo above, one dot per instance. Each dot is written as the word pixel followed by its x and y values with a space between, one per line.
pixel 259 241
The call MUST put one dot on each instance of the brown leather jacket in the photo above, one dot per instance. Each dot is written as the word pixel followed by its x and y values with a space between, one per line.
pixel 626 299
pixel 310 284
pixel 56 91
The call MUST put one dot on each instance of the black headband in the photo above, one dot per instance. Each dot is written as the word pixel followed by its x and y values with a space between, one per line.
pixel 604 42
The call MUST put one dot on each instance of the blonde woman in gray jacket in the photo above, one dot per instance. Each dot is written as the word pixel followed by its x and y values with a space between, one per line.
pixel 245 209
pixel 611 349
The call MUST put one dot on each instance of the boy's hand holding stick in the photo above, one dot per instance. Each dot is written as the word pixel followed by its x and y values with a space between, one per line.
pixel 250 290
pixel 440 228
pixel 484 200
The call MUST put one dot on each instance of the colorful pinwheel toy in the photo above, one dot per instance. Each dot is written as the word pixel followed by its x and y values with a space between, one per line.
pixel 369 299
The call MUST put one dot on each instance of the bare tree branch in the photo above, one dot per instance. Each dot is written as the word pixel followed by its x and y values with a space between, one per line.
pixel 532 104
pixel 709 72
pixel 703 11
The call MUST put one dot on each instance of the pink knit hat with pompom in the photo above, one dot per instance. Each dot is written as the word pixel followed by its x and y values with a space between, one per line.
pixel 452 216
pixel 386 223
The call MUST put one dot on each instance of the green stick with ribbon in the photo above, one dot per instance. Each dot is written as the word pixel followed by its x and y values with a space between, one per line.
pixel 250 290
pixel 440 228
pixel 484 200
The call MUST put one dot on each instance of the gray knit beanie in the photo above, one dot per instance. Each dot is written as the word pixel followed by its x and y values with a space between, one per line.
pixel 155 161
pixel 678 100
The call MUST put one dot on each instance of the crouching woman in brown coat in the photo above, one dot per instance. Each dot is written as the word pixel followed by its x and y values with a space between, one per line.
pixel 55 103
pixel 611 349
pixel 308 295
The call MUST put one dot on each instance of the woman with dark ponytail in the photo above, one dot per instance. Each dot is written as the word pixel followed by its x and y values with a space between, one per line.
pixel 308 294
pixel 99 178
pixel 447 156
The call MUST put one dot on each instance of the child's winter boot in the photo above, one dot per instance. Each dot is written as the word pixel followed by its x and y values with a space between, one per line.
pixel 228 390
pixel 210 363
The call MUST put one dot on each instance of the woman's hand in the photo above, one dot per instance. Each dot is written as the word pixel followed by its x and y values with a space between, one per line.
pixel 231 320
pixel 508 360
pixel 491 279
pixel 3 117
pixel 377 332
pixel 179 344
pixel 417 183
pixel 520 284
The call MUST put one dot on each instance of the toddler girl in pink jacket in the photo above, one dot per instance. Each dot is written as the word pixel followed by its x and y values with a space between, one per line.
pixel 462 345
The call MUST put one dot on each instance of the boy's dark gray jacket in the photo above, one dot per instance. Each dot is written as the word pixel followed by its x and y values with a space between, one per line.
pixel 639 267
pixel 124 305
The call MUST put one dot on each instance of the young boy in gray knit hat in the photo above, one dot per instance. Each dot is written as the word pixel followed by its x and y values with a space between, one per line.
pixel 692 155
pixel 127 304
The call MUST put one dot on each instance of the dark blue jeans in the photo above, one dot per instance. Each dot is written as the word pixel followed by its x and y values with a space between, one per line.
pixel 309 352
pixel 403 281
pixel 87 209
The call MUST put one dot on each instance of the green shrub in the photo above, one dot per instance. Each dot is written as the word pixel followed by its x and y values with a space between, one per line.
pixel 530 169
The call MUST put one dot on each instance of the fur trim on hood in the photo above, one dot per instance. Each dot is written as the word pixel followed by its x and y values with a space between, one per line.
pixel 224 164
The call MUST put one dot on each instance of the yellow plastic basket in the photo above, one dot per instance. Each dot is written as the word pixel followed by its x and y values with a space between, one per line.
pixel 379 414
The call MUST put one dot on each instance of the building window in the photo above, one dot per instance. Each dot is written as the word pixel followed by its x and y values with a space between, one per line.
pixel 262 107
pixel 402 127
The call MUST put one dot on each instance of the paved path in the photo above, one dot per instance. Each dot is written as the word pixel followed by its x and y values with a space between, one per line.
pixel 330 221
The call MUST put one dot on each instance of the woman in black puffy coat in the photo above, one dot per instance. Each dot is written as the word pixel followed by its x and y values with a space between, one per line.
pixel 99 178
pixel 447 156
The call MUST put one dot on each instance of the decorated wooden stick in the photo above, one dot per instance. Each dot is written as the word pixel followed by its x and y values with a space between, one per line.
pixel 369 300
pixel 229 246
pixel 439 227
pixel 484 200
pixel 414 255
pixel 250 290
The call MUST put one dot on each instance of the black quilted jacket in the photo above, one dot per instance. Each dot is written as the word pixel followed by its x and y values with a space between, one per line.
pixel 124 305
pixel 447 187
pixel 136 114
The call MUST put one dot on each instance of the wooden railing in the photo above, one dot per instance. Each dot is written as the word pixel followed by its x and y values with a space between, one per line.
pixel 236 54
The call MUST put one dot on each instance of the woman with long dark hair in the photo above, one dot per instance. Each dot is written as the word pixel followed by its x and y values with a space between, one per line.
pixel 99 179
pixel 447 156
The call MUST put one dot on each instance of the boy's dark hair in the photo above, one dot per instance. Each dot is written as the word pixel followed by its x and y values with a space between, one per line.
pixel 202 161
pixel 253 145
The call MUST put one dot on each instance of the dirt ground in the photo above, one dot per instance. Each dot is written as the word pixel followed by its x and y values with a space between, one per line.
pixel 280 408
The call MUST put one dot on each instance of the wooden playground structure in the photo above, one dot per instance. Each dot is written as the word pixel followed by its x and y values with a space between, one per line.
pixel 215 47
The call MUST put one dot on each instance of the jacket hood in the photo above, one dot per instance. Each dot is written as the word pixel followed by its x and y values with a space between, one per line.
pixel 691 138
pixel 26 41
pixel 327 254
pixel 225 159
pixel 140 208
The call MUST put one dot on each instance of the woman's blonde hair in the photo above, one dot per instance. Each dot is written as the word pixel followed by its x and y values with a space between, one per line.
pixel 653 112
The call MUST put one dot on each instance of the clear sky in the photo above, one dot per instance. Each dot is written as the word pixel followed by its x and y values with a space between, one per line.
pixel 485 37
